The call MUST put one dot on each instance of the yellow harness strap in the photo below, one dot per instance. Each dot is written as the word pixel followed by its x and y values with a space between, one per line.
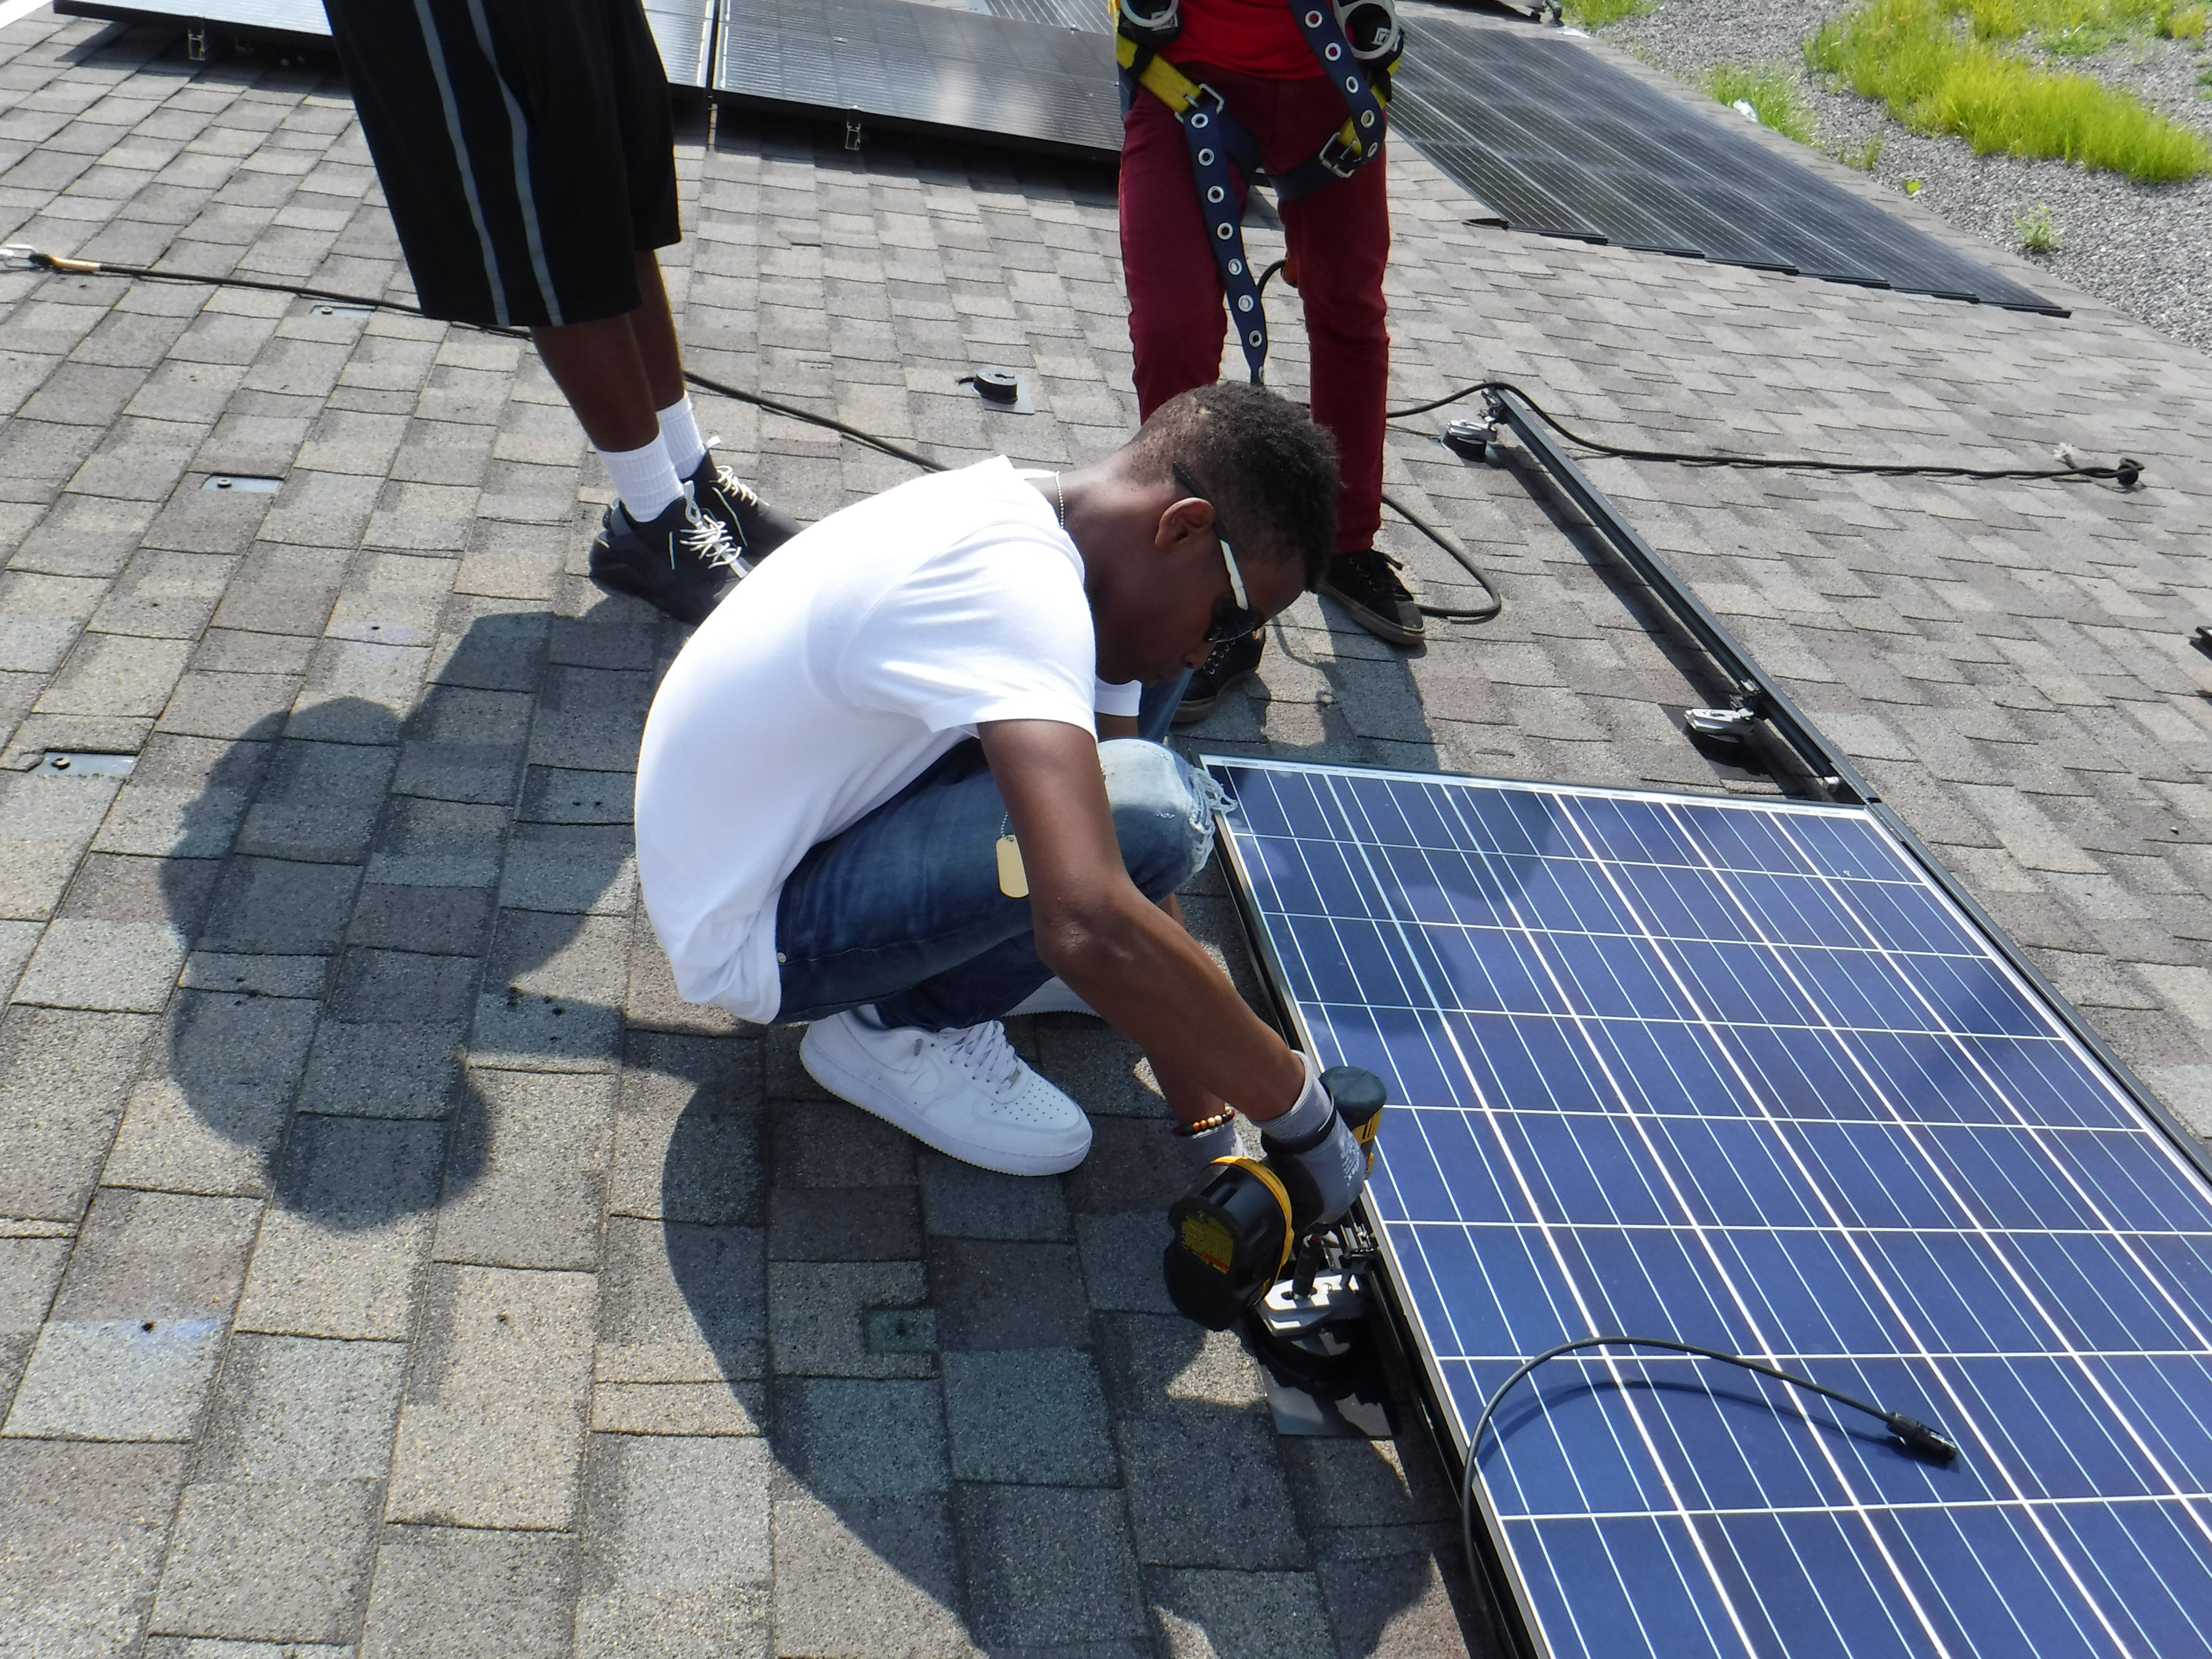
pixel 1179 92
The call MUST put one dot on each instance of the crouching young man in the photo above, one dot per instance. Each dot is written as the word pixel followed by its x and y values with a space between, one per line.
pixel 871 794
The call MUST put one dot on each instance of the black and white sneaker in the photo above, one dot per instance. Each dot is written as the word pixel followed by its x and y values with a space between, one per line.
pixel 1366 584
pixel 759 528
pixel 682 562
pixel 1233 662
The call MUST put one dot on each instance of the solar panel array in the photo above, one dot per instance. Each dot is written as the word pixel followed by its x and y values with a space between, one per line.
pixel 1742 1073
pixel 1555 141
pixel 1559 141
pixel 962 74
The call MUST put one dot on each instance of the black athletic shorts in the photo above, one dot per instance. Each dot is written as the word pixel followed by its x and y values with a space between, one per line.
pixel 524 146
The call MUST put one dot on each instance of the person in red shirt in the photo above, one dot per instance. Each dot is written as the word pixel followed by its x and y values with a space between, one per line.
pixel 1252 53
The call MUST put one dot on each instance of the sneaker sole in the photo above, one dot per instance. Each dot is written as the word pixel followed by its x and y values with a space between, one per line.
pixel 1387 628
pixel 832 1073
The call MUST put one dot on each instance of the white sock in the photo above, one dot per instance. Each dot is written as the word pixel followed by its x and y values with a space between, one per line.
pixel 680 436
pixel 644 479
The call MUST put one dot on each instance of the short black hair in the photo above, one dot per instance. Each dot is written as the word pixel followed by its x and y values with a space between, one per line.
pixel 1269 469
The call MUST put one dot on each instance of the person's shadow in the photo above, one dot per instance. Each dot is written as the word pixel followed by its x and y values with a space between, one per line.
pixel 418 980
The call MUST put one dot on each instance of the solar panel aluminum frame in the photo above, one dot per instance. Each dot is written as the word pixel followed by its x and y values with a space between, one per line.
pixel 1506 1603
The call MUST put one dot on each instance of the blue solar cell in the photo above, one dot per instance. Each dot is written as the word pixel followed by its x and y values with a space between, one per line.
pixel 1739 1073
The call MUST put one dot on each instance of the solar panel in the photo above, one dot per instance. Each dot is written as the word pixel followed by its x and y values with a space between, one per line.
pixel 302 18
pixel 1741 1073
pixel 1559 142
pixel 1089 15
pixel 684 32
pixel 681 29
pixel 925 68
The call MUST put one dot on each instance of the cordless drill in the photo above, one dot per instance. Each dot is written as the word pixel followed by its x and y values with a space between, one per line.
pixel 1234 1229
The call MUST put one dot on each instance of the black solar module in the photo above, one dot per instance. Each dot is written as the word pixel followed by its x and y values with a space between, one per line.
pixel 684 32
pixel 1740 1073
pixel 1561 142
pixel 1089 15
pixel 928 68
pixel 681 29
pixel 301 18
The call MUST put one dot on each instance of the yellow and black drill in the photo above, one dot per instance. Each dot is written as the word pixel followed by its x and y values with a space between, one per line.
pixel 1235 1229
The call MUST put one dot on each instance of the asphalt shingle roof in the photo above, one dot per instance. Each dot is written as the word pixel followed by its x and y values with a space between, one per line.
pixel 389 1263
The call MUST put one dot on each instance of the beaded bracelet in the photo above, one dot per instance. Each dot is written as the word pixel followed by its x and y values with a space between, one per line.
pixel 1206 1125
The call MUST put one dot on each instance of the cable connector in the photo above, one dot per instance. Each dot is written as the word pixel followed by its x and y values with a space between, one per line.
pixel 16 257
pixel 1920 1440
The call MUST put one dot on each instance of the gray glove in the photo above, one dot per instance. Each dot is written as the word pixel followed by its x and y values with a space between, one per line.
pixel 1321 1161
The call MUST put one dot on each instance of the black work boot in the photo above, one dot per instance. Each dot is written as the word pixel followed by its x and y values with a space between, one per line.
pixel 1366 584
pixel 759 528
pixel 1233 662
pixel 682 562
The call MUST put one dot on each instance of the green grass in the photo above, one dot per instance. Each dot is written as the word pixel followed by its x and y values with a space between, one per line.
pixel 1862 156
pixel 2080 26
pixel 1771 90
pixel 1596 13
pixel 1936 75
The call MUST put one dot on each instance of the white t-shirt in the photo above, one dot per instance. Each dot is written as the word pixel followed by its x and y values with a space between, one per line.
pixel 830 679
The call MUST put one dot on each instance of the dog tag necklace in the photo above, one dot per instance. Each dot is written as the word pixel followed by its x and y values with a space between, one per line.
pixel 1014 879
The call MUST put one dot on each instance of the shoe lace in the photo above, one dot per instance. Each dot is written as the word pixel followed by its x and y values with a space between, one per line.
pixel 984 1052
pixel 707 540
pixel 1378 570
pixel 1218 659
pixel 728 482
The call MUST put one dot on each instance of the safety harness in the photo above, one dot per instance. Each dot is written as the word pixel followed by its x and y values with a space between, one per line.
pixel 1355 42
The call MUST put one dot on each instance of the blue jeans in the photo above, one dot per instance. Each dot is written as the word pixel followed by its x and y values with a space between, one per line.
pixel 903 910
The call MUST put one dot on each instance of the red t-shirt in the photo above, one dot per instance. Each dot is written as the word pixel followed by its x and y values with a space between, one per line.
pixel 1251 37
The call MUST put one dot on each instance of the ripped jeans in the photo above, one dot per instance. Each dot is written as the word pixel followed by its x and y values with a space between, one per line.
pixel 903 909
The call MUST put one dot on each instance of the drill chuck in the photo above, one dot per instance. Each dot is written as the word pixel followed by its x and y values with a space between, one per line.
pixel 1233 1231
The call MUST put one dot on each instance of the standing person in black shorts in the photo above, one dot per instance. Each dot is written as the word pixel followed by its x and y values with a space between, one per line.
pixel 527 151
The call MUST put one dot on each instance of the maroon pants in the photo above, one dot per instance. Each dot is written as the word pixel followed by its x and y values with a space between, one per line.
pixel 1339 240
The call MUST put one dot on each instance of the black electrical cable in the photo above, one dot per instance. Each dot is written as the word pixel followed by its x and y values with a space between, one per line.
pixel 37 260
pixel 2125 473
pixel 1916 1436
pixel 1460 613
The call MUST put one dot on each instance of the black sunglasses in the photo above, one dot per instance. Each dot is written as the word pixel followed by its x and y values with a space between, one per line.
pixel 1233 615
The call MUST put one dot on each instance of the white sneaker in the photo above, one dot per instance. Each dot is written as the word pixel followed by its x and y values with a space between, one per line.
pixel 1053 997
pixel 965 1092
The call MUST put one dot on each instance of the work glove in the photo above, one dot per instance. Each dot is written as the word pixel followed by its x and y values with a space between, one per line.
pixel 1322 1162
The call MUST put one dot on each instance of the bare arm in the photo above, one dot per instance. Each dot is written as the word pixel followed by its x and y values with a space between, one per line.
pixel 1129 958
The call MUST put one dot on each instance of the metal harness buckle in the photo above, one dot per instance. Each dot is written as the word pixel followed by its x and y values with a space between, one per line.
pixel 1343 157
